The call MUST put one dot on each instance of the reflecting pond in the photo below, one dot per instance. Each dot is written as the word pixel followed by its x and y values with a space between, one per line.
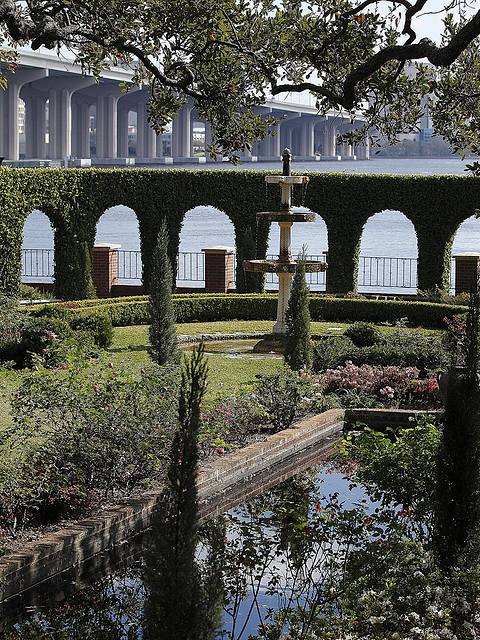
pixel 227 578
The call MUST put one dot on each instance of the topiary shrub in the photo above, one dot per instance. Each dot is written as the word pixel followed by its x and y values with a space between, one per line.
pixel 98 325
pixel 402 347
pixel 26 292
pixel 298 341
pixel 163 338
pixel 53 311
pixel 363 334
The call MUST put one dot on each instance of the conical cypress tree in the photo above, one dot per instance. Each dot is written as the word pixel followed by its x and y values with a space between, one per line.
pixel 163 339
pixel 298 341
pixel 173 579
pixel 457 516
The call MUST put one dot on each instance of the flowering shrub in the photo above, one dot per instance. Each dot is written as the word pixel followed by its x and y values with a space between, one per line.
pixel 424 394
pixel 86 430
pixel 455 336
pixel 388 384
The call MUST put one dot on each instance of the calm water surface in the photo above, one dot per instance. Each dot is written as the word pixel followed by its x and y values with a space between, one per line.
pixel 240 555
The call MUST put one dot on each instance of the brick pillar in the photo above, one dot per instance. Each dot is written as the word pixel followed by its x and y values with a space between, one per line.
pixel 467 269
pixel 219 269
pixel 105 268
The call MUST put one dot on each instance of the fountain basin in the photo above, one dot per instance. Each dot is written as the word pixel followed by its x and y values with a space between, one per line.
pixel 287 215
pixel 276 266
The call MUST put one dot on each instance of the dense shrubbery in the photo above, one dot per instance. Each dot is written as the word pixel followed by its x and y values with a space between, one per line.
pixel 12 324
pixel 386 386
pixel 39 336
pixel 86 431
pixel 27 292
pixel 24 336
pixel 402 347
pixel 398 468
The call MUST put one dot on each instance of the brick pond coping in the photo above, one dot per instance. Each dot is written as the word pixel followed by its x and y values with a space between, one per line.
pixel 59 551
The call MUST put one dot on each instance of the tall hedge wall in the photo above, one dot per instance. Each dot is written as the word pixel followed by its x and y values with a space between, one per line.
pixel 75 199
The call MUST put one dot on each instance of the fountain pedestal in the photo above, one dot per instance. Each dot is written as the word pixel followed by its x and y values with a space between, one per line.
pixel 285 265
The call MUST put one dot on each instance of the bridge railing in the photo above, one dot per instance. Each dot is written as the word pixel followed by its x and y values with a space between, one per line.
pixel 375 273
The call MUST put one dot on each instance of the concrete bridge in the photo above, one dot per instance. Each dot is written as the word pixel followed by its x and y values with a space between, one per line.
pixel 51 113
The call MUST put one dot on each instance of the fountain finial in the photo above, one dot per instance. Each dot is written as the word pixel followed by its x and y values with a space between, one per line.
pixel 287 162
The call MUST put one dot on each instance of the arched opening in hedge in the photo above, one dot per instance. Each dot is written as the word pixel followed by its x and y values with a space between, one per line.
pixel 37 249
pixel 311 236
pixel 388 254
pixel 118 227
pixel 203 227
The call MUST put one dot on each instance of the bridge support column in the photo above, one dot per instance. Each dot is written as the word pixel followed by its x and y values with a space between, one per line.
pixel 209 141
pixel 107 126
pixel 146 136
pixel 82 148
pixel 35 125
pixel 122 131
pixel 362 151
pixel 186 137
pixel 9 102
pixel 330 140
pixel 60 121
pixel 307 139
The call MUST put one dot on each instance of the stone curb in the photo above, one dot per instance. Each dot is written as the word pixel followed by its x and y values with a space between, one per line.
pixel 218 337
pixel 59 551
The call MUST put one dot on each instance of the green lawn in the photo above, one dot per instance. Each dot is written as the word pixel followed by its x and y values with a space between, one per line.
pixel 227 374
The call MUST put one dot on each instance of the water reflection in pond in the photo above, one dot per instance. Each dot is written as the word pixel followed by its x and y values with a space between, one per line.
pixel 231 578
pixel 235 349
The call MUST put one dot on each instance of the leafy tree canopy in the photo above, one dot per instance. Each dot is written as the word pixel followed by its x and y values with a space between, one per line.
pixel 229 56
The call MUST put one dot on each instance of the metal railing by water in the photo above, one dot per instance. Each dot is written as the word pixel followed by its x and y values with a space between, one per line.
pixel 37 263
pixel 190 266
pixel 129 265
pixel 386 272
pixel 375 273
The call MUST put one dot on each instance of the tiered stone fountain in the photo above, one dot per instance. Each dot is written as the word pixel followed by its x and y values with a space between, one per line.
pixel 285 265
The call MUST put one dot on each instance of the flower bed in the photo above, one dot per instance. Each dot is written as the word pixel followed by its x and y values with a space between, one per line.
pixel 387 386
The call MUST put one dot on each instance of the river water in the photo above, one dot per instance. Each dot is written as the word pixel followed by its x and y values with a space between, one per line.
pixel 386 234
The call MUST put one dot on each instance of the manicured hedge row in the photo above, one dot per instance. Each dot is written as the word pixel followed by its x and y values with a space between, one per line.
pixel 209 308
pixel 75 199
